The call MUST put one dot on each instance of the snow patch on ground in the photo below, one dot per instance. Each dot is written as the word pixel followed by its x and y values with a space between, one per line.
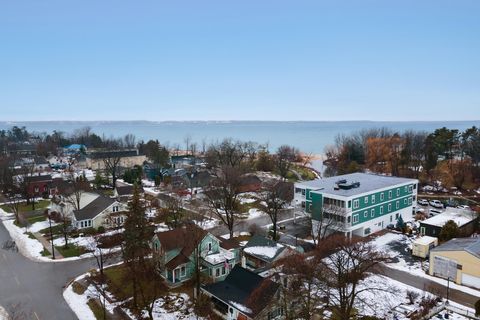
pixel 78 303
pixel 3 314
pixel 174 307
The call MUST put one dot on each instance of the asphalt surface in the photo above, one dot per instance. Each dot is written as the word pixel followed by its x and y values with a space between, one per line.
pixel 36 287
pixel 430 286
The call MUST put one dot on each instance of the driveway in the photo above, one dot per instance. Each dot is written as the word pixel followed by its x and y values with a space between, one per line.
pixel 36 287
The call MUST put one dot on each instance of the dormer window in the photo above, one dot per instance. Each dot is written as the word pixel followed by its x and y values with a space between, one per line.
pixel 115 208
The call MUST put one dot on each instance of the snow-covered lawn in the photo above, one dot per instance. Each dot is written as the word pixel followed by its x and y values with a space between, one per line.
pixel 3 314
pixel 173 307
pixel 78 302
pixel 397 246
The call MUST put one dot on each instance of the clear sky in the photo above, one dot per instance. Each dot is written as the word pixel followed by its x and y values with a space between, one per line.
pixel 239 60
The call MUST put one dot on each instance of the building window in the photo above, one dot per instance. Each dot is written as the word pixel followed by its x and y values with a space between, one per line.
pixel 303 192
pixel 209 246
pixel 381 210
pixel 36 189
pixel 405 201
pixel 406 189
pixel 398 192
pixel 391 218
pixel 397 204
pixel 409 201
pixel 410 188
pixel 217 272
pixel 389 207
pixel 355 204
pixel 365 213
pixel 349 203
pixel 223 270
pixel 355 218
pixel 183 271
pixel 115 209
pixel 381 196
pixel 390 194
pixel 372 213
pixel 373 198
pixel 366 200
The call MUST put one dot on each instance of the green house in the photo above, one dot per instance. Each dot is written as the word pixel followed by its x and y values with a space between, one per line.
pixel 177 249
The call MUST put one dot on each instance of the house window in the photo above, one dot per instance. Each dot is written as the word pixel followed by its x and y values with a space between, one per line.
pixel 36 189
pixel 355 204
pixel 217 272
pixel 209 246
pixel 115 209
pixel 223 270
pixel 389 207
pixel 373 198
pixel 365 213
pixel 381 210
pixel 397 204
pixel 372 213
pixel 381 196
pixel 355 218
pixel 183 271
pixel 398 192
pixel 45 188
pixel 390 194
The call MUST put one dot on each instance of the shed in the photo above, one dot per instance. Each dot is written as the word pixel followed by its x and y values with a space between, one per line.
pixel 421 246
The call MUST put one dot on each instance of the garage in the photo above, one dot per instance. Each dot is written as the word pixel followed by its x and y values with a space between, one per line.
pixel 471 281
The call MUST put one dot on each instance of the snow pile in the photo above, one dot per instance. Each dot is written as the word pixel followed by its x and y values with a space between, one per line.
pixel 268 252
pixel 255 213
pixel 78 303
pixel 240 307
pixel 30 248
pixel 3 314
pixel 247 200
pixel 174 307
pixel 148 183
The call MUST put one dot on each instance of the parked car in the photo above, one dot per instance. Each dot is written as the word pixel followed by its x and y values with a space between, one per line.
pixel 434 211
pixel 436 204
pixel 422 202
pixel 464 207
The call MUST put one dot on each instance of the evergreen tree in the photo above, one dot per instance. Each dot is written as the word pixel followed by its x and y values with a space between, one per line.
pixel 400 223
pixel 137 235
pixel 449 231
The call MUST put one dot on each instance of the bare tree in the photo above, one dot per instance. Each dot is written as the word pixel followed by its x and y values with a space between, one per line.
pixel 276 195
pixel 129 141
pixel 174 212
pixel 284 158
pixel 222 196
pixel 112 163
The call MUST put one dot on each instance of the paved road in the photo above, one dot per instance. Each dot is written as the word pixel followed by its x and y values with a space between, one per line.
pixel 430 286
pixel 38 287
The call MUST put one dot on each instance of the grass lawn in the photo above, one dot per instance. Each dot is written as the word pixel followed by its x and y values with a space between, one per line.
pixel 37 218
pixel 78 288
pixel 97 309
pixel 71 251
pixel 118 284
pixel 30 235
pixel 24 207
pixel 56 230
pixel 45 253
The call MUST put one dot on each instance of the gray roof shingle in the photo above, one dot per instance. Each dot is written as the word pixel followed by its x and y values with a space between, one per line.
pixel 94 208
pixel 470 245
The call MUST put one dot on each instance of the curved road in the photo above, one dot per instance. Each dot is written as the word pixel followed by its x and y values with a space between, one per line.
pixel 37 287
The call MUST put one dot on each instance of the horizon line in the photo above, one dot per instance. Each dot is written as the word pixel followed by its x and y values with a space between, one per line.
pixel 226 121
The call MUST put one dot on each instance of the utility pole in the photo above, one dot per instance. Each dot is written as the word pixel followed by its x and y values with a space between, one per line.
pixel 51 235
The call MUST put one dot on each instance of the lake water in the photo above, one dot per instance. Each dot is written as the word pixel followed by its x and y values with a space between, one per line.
pixel 307 136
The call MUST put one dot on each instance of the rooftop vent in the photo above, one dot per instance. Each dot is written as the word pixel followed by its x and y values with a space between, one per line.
pixel 345 185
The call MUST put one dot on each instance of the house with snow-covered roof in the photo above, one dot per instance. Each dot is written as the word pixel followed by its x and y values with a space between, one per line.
pixel 260 253
pixel 177 249
pixel 466 221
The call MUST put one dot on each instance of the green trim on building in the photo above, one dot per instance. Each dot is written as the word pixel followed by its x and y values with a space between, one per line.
pixel 362 217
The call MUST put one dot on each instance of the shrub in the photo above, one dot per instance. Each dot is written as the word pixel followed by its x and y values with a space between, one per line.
pixel 101 229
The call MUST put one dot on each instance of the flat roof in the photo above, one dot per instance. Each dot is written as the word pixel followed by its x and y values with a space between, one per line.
pixel 471 245
pixel 368 182
pixel 425 240
pixel 459 216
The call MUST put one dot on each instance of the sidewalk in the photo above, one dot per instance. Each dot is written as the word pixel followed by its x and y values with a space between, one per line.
pixel 47 245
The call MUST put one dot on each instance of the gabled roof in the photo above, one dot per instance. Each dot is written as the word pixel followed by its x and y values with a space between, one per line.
pixel 470 245
pixel 181 239
pixel 30 179
pixel 127 190
pixel 229 243
pixel 239 290
pixel 94 208
pixel 263 248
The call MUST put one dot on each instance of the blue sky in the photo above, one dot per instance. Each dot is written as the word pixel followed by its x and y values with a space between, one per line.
pixel 239 60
